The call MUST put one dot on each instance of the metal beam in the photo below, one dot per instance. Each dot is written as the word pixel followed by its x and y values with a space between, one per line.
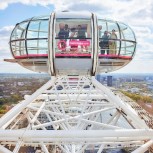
pixel 101 148
pixel 144 147
pixel 74 134
pixel 4 150
pixel 7 118
pixel 71 118
pixel 138 123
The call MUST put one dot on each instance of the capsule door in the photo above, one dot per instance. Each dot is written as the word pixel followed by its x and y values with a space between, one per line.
pixel 73 44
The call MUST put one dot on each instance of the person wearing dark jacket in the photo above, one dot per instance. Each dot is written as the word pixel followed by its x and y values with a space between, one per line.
pixel 104 43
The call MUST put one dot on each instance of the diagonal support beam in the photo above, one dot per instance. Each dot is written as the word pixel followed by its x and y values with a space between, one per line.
pixel 37 113
pixel 17 147
pixel 101 124
pixel 44 148
pixel 144 147
pixel 101 148
pixel 119 103
pixel 4 150
pixel 44 110
pixel 71 118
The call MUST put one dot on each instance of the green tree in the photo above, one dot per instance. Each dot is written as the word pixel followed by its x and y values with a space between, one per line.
pixel 137 97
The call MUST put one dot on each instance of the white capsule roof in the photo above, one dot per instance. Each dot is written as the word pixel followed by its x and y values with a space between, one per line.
pixel 72 43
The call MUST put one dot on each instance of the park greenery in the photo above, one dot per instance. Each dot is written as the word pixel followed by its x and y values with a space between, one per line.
pixel 14 99
pixel 6 102
pixel 138 98
pixel 11 96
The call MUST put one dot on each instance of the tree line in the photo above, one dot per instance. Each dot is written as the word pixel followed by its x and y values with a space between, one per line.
pixel 6 102
pixel 138 97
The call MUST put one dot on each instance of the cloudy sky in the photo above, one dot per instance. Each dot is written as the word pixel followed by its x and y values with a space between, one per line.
pixel 136 13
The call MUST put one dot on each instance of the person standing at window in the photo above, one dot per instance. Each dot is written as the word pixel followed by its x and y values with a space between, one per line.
pixel 104 44
pixel 72 39
pixel 66 29
pixel 112 43
pixel 81 35
pixel 81 32
pixel 62 35
pixel 100 31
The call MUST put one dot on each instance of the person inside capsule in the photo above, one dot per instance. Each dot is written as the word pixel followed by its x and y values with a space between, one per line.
pixel 66 29
pixel 104 43
pixel 81 35
pixel 73 47
pixel 63 35
pixel 81 32
pixel 112 43
pixel 100 30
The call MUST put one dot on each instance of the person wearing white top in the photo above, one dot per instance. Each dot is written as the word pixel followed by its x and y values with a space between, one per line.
pixel 112 43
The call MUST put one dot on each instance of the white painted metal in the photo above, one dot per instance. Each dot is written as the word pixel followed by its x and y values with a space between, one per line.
pixel 95 44
pixel 123 106
pixel 44 148
pixel 8 117
pixel 144 147
pixel 79 135
pixel 18 145
pixel 4 150
pixel 101 148
pixel 73 113
pixel 50 45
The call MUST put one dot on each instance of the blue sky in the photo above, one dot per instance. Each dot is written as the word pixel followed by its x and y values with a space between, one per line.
pixel 17 12
pixel 136 13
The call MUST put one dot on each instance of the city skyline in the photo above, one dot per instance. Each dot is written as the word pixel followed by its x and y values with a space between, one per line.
pixel 139 18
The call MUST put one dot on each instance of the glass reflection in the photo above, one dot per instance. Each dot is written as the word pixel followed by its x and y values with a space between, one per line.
pixel 30 37
pixel 19 31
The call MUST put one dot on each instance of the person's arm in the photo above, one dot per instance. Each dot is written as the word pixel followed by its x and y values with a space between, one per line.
pixel 72 34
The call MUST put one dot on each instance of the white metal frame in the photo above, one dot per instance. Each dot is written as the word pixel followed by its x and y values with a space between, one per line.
pixel 81 112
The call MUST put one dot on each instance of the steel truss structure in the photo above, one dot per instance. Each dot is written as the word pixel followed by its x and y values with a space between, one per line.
pixel 75 114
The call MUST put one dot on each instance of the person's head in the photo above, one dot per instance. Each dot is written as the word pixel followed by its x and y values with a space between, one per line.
pixel 113 30
pixel 105 33
pixel 61 26
pixel 79 26
pixel 66 26
pixel 100 27
pixel 72 29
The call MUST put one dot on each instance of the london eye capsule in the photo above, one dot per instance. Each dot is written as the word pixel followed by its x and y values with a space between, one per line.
pixel 72 43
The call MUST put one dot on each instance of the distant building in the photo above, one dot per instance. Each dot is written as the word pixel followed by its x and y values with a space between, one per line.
pixel 20 83
pixel 109 81
pixel 25 92
pixel 134 90
pixel 98 77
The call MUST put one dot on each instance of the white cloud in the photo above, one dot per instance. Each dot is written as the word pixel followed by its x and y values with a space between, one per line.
pixel 5 3
pixel 5 33
pixel 137 66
